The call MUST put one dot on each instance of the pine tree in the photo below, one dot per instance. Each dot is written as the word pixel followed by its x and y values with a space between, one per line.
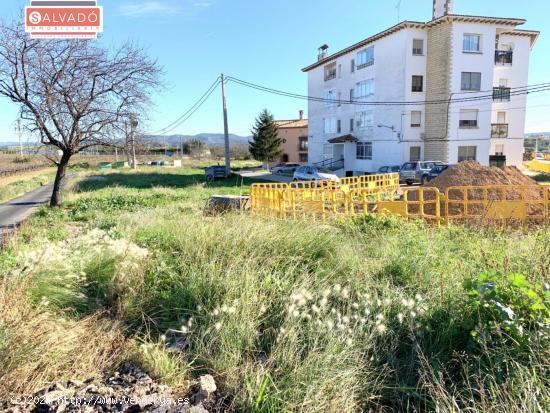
pixel 266 144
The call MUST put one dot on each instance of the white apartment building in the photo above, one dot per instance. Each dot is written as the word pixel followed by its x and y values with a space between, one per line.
pixel 396 95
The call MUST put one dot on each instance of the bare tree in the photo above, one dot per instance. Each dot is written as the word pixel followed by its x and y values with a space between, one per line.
pixel 74 93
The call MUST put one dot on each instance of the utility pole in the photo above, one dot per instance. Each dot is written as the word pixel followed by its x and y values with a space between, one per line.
pixel 226 130
pixel 19 135
pixel 133 126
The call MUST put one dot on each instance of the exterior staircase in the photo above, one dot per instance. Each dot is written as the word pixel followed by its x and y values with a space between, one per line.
pixel 331 164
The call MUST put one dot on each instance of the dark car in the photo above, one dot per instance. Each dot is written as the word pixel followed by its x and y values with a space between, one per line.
pixel 436 171
pixel 389 169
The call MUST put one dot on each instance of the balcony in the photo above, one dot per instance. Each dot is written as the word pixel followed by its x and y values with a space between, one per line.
pixel 503 57
pixel 330 76
pixel 501 94
pixel 302 147
pixel 499 130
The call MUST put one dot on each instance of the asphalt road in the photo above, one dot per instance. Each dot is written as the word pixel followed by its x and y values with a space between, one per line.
pixel 14 212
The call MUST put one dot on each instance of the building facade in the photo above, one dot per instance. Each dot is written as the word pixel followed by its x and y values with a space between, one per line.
pixel 447 90
pixel 294 138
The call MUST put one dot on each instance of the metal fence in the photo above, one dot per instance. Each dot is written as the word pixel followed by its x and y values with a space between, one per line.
pixel 496 204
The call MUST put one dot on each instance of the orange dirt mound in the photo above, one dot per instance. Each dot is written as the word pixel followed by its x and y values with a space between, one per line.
pixel 472 173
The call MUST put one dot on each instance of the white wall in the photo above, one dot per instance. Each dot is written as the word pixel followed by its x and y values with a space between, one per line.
pixel 393 70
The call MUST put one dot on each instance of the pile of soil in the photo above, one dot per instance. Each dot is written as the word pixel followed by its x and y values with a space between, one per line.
pixel 474 202
pixel 472 173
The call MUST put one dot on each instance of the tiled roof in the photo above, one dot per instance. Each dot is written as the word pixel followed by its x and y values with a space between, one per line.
pixel 295 123
pixel 412 24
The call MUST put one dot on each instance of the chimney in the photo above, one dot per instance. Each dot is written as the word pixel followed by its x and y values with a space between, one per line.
pixel 323 52
pixel 301 114
pixel 442 8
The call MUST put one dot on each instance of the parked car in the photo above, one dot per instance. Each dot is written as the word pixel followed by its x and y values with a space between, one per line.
pixel 285 168
pixel 313 173
pixel 436 171
pixel 389 169
pixel 417 172
pixel 539 156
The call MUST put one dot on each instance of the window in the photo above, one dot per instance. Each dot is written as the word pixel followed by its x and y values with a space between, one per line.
pixel 468 118
pixel 339 99
pixel 471 81
pixel 414 153
pixel 417 83
pixel 352 68
pixel 365 57
pixel 499 150
pixel 416 119
pixel 351 95
pixel 339 71
pixel 303 157
pixel 330 72
pixel 467 153
pixel 471 43
pixel 418 47
pixel 351 124
pixel 501 117
pixel 364 89
pixel 302 143
pixel 330 98
pixel 330 125
pixel 365 119
pixel 409 166
pixel 339 126
pixel 364 151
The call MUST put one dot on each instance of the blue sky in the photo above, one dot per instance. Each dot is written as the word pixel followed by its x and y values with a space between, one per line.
pixel 268 42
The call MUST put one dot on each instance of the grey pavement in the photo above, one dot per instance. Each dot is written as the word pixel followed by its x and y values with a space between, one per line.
pixel 16 211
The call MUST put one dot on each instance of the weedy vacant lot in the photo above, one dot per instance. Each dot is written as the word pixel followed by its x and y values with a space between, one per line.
pixel 363 314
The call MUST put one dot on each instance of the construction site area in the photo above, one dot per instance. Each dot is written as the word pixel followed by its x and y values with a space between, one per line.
pixel 465 193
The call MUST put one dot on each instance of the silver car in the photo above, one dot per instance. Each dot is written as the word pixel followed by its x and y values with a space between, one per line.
pixel 314 173
pixel 417 172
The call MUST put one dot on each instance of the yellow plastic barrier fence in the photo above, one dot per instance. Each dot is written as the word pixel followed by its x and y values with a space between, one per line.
pixel 321 198
pixel 539 166
pixel 502 204
pixel 496 204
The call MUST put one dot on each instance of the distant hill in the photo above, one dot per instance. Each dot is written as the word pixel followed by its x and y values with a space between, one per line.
pixel 8 144
pixel 210 139
pixel 537 135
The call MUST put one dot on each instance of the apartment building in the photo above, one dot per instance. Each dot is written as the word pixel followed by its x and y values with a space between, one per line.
pixel 444 90
pixel 294 139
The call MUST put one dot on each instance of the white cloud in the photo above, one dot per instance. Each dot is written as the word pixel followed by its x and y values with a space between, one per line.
pixel 147 8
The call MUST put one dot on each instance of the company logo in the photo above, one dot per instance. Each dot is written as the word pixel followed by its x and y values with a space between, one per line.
pixel 64 19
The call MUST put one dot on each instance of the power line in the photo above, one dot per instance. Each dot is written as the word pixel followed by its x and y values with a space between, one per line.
pixel 524 90
pixel 183 118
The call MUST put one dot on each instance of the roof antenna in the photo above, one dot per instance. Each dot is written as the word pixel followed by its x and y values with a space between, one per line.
pixel 398 7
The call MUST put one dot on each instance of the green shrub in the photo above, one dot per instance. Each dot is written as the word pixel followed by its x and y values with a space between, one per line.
pixel 511 310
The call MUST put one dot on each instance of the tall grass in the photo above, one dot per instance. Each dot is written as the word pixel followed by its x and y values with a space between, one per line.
pixel 363 314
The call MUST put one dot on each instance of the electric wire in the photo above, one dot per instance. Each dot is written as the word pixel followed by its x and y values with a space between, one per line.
pixel 517 91
pixel 185 116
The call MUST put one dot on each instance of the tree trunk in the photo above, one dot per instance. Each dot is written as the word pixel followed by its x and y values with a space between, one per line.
pixel 59 180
